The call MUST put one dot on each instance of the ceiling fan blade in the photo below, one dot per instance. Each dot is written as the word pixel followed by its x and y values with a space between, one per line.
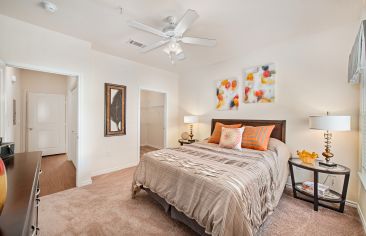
pixel 154 46
pixel 146 28
pixel 187 20
pixel 199 41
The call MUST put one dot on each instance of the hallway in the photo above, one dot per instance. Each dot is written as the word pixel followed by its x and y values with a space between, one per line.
pixel 58 174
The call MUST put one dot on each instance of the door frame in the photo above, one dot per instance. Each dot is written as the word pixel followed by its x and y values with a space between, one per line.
pixel 2 98
pixel 80 82
pixel 69 125
pixel 165 125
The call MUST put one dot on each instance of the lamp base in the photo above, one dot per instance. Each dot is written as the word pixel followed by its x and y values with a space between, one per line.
pixel 191 131
pixel 327 163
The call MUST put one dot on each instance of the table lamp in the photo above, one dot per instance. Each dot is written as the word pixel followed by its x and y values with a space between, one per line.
pixel 190 120
pixel 329 123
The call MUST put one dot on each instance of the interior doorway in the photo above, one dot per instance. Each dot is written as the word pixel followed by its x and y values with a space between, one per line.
pixel 152 120
pixel 41 114
pixel 46 123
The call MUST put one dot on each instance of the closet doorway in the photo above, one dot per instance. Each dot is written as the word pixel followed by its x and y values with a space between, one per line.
pixel 152 121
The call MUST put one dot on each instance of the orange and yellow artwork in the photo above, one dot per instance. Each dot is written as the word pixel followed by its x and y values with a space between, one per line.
pixel 259 84
pixel 227 95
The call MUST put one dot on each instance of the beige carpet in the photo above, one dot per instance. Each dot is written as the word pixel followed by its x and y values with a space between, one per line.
pixel 105 208
pixel 145 149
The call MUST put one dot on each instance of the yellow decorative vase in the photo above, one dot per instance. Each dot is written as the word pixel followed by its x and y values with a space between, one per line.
pixel 3 185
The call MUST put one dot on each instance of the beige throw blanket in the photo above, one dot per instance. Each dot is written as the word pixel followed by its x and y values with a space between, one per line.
pixel 228 192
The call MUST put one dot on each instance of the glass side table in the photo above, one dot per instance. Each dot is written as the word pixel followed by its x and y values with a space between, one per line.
pixel 187 141
pixel 314 197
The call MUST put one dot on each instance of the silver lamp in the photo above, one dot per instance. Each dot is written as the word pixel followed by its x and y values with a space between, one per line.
pixel 190 120
pixel 329 123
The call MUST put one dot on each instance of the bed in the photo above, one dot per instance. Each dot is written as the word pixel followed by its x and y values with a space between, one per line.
pixel 217 191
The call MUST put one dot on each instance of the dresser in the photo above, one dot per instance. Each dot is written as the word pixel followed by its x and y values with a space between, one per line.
pixel 20 213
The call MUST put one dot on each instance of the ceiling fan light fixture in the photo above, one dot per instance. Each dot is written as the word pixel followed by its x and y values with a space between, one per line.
pixel 173 34
pixel 173 50
pixel 172 57
pixel 173 47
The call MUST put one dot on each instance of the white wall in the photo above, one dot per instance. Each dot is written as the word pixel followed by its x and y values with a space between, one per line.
pixel 12 132
pixel 152 119
pixel 311 79
pixel 123 150
pixel 47 50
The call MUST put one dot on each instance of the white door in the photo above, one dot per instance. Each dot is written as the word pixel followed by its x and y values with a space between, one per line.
pixel 73 127
pixel 46 123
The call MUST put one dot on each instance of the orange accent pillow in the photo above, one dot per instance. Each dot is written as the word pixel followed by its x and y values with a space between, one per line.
pixel 257 137
pixel 216 134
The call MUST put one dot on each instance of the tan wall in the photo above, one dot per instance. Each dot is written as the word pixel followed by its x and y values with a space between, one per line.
pixel 311 79
pixel 37 82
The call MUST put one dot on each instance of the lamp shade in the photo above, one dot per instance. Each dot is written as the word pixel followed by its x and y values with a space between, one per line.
pixel 190 119
pixel 331 123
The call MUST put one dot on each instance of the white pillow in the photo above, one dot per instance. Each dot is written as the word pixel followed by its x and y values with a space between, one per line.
pixel 231 138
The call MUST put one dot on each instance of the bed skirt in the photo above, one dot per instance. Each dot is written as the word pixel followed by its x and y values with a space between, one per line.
pixel 177 215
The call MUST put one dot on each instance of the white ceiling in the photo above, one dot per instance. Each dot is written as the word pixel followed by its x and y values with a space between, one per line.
pixel 238 25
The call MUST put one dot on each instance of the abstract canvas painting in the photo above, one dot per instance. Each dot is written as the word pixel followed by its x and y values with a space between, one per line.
pixel 259 84
pixel 115 110
pixel 227 95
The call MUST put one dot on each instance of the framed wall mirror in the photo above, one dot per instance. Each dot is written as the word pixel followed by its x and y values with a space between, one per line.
pixel 115 110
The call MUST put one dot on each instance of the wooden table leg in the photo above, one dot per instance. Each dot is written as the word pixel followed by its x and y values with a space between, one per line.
pixel 344 193
pixel 316 200
pixel 292 179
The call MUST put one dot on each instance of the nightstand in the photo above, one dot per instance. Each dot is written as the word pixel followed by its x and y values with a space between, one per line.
pixel 313 196
pixel 186 141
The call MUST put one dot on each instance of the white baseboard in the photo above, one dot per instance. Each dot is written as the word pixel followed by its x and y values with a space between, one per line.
pixel 88 181
pixel 116 168
pixel 357 206
pixel 83 182
pixel 351 204
pixel 362 217
pixel 72 161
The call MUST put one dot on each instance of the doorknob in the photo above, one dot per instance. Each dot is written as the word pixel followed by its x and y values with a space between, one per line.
pixel 30 129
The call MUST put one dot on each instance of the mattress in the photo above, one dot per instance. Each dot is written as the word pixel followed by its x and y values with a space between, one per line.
pixel 225 191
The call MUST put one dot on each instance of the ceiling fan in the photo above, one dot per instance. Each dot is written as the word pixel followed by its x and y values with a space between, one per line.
pixel 172 35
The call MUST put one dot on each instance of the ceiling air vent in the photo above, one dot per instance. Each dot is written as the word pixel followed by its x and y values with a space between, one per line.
pixel 135 43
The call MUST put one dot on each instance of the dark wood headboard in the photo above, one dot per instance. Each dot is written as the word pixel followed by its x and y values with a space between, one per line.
pixel 279 132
